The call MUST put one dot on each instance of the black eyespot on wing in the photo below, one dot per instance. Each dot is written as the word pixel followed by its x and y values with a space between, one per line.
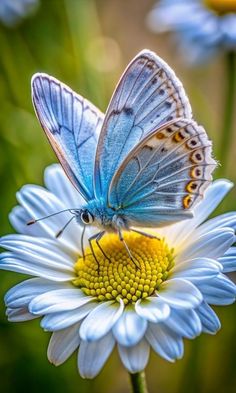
pixel 115 112
pixel 151 65
pixel 128 111
pixel 164 150
pixel 168 104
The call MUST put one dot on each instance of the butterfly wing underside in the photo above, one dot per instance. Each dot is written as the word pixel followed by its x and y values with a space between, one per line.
pixel 164 175
pixel 148 94
pixel 72 125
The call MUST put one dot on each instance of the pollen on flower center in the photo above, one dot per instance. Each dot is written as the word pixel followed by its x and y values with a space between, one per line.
pixel 221 6
pixel 119 277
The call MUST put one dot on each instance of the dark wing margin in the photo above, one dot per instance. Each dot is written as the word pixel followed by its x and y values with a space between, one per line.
pixel 72 125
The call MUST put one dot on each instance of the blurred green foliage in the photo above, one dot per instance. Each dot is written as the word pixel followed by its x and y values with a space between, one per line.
pixel 86 43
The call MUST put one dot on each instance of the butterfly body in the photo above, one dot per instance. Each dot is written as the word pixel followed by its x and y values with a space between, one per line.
pixel 102 216
pixel 145 163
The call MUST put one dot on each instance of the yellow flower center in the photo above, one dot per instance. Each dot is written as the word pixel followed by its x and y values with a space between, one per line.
pixel 117 276
pixel 221 6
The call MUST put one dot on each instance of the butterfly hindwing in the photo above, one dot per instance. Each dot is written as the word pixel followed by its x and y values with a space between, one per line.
pixel 147 95
pixel 72 125
pixel 164 175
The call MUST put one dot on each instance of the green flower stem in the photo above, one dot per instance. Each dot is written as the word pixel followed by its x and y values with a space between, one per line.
pixel 230 101
pixel 138 382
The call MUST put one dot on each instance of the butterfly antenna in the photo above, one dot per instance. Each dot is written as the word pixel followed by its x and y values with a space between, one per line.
pixel 33 221
pixel 59 233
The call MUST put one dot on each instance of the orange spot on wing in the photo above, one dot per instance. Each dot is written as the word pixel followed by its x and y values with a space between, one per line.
pixel 191 186
pixel 196 172
pixel 187 200
pixel 178 137
pixel 160 135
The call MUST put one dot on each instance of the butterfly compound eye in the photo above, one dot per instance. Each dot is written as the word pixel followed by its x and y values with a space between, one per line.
pixel 86 217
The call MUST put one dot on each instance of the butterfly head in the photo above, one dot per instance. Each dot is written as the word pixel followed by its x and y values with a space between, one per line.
pixel 83 216
pixel 86 217
pixel 91 214
pixel 97 214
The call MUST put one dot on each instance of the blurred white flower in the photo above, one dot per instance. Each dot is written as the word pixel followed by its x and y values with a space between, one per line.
pixel 201 28
pixel 13 11
pixel 93 308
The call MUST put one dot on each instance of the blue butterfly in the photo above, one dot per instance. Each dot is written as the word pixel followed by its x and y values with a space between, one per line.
pixel 144 164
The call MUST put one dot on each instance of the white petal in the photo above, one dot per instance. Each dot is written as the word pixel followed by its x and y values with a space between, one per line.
pixel 18 218
pixel 197 270
pixel 130 327
pixel 211 245
pixel 36 267
pixel 153 309
pixel 228 261
pixel 168 15
pixel 58 183
pixel 13 12
pixel 210 321
pixel 32 247
pixel 165 342
pixel 180 293
pixel 215 193
pixel 184 323
pixel 38 203
pixel 61 320
pixel 228 27
pixel 219 291
pixel 20 314
pixel 227 220
pixel 62 344
pixel 135 358
pixel 93 355
pixel 58 300
pixel 21 294
pixel 101 320
pixel 37 256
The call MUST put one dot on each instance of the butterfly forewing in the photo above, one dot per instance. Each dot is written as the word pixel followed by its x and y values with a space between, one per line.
pixel 166 173
pixel 72 125
pixel 147 95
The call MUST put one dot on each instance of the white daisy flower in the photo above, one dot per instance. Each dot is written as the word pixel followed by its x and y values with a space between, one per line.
pixel 93 308
pixel 202 27
pixel 13 11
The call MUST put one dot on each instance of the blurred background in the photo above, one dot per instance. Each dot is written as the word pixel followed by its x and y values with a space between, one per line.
pixel 87 44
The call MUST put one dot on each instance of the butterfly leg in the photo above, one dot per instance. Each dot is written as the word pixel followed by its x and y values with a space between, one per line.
pixel 127 248
pixel 82 242
pixel 98 238
pixel 91 247
pixel 145 234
